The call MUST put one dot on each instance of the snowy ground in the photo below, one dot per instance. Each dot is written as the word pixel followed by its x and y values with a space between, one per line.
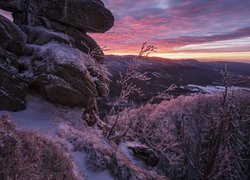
pixel 46 118
pixel 213 89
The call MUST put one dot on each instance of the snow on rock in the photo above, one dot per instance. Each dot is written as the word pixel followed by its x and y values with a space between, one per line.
pixel 53 54
pixel 58 60
pixel 6 14
pixel 40 35
pixel 140 152
pixel 67 76
pixel 129 153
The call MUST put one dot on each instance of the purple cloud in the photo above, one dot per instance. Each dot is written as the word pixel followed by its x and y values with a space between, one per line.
pixel 186 40
pixel 173 23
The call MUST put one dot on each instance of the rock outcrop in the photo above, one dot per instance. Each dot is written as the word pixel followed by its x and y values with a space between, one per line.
pixel 88 16
pixel 144 153
pixel 13 88
pixel 71 17
pixel 50 46
pixel 11 36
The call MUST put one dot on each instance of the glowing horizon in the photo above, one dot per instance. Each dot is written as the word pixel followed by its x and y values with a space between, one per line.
pixel 244 56
pixel 203 30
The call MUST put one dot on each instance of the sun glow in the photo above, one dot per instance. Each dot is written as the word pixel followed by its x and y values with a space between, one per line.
pixel 243 56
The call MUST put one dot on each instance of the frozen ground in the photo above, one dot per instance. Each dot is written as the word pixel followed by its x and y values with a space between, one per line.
pixel 213 89
pixel 80 158
pixel 46 118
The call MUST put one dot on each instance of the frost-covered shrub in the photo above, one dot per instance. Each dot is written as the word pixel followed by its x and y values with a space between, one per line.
pixel 196 137
pixel 103 155
pixel 128 88
pixel 26 155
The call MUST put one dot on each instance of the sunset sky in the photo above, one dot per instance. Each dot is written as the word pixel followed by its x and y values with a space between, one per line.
pixel 201 29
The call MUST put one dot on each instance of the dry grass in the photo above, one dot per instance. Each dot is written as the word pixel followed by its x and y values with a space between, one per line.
pixel 103 155
pixel 26 155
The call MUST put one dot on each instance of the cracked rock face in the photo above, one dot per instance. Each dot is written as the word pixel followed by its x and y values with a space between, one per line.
pixel 12 38
pixel 13 88
pixel 50 44
pixel 65 77
pixel 86 15
pixel 12 5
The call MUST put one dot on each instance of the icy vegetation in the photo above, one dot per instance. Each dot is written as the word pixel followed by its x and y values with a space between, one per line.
pixel 47 119
pixel 27 155
pixel 182 132
pixel 51 75
pixel 92 156
pixel 201 136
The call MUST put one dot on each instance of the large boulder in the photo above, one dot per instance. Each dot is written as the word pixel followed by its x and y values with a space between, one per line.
pixel 13 88
pixel 57 57
pixel 12 38
pixel 75 38
pixel 143 152
pixel 63 74
pixel 86 15
pixel 40 36
pixel 86 44
pixel 12 5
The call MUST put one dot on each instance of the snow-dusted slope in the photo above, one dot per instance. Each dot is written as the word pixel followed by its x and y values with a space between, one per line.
pixel 46 118
pixel 42 116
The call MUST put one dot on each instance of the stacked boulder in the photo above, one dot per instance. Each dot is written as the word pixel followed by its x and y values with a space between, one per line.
pixel 13 88
pixel 46 48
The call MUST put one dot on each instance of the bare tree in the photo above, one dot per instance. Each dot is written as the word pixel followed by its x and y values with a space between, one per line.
pixel 128 87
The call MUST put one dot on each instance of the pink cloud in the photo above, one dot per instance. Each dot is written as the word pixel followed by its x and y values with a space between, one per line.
pixel 174 23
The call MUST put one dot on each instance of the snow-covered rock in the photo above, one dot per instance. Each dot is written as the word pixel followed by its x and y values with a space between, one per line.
pixel 144 153
pixel 88 16
pixel 57 58
pixel 61 74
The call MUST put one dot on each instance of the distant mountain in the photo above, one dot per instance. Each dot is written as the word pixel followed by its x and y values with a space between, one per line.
pixel 164 72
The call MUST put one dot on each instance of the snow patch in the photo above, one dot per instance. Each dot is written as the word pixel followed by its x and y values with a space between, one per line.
pixel 38 116
pixel 6 14
pixel 80 158
pixel 46 118
pixel 214 89
pixel 63 55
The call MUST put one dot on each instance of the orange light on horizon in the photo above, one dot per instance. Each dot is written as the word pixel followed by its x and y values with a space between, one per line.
pixel 220 56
